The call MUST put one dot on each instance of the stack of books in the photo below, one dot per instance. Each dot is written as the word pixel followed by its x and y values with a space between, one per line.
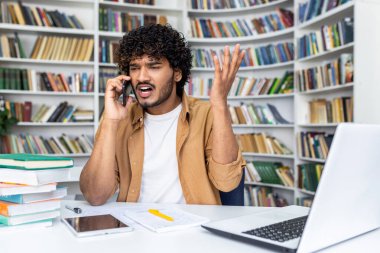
pixel 29 196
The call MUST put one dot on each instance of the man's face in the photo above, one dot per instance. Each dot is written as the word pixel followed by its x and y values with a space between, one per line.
pixel 152 80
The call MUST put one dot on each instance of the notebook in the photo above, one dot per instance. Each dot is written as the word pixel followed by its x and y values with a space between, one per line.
pixel 168 219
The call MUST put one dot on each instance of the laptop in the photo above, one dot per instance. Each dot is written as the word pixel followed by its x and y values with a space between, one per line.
pixel 345 205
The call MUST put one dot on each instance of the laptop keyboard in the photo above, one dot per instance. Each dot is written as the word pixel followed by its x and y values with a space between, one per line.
pixel 282 231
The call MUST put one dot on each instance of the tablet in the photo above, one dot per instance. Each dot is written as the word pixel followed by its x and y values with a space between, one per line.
pixel 95 225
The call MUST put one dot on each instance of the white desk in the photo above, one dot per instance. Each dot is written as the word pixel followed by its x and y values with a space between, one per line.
pixel 58 238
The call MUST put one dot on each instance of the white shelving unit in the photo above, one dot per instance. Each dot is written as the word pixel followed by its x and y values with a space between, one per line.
pixel 293 107
pixel 365 54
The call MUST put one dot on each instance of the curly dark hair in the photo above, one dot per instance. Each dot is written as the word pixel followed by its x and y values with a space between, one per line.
pixel 156 41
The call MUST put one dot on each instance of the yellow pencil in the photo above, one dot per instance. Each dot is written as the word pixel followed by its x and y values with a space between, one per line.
pixel 161 215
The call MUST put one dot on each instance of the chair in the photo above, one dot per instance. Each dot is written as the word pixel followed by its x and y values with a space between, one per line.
pixel 234 197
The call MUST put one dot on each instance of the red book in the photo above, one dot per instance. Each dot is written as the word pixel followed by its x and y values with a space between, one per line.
pixel 27 112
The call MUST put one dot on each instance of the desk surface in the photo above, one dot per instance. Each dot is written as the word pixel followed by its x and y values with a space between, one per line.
pixel 59 239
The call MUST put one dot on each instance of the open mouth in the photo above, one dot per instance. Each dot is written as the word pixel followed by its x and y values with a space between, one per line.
pixel 144 90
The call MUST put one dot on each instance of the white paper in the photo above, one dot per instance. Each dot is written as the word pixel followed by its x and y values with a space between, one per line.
pixel 181 219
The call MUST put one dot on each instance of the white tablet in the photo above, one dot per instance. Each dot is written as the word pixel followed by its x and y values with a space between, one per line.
pixel 96 225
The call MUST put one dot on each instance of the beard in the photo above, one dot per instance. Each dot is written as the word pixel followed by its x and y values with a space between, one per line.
pixel 165 93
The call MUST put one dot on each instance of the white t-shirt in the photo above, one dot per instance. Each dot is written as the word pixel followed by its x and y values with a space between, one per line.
pixel 160 180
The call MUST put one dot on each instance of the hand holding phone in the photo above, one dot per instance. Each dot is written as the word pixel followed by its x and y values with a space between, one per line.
pixel 126 90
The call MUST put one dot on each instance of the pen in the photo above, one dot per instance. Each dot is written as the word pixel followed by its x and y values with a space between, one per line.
pixel 74 209
pixel 161 215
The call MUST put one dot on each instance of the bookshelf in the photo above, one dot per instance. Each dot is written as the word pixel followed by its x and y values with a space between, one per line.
pixel 293 107
pixel 361 88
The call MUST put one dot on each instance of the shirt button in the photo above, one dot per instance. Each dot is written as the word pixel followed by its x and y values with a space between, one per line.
pixel 133 191
pixel 134 163
pixel 140 119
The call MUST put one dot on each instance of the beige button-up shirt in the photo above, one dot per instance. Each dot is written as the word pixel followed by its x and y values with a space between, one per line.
pixel 200 176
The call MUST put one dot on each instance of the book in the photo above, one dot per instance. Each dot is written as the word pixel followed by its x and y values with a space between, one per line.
pixel 31 225
pixel 18 189
pixel 35 197
pixel 22 219
pixel 34 177
pixel 31 161
pixel 13 209
pixel 179 218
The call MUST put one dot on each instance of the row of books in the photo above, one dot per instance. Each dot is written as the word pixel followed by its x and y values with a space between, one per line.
pixel 33 144
pixel 71 49
pixel 23 112
pixel 225 4
pixel 244 86
pixel 263 196
pixel 264 55
pixel 121 21
pixel 327 38
pixel 314 144
pixel 107 50
pixel 250 114
pixel 209 28
pixel 62 112
pixel 11 47
pixel 104 75
pixel 310 9
pixel 337 72
pixel 31 80
pixel 262 143
pixel 18 13
pixel 337 110
pixel 309 176
pixel 31 197
pixel 269 173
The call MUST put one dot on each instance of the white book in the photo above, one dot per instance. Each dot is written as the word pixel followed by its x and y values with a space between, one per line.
pixel 59 193
pixel 12 189
pixel 22 219
pixel 13 209
pixel 48 113
pixel 167 219
pixel 34 177
pixel 39 224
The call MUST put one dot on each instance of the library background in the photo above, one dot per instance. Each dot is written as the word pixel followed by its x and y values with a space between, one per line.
pixel 309 66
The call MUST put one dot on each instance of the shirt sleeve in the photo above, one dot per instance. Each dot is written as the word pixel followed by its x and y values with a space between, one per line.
pixel 225 177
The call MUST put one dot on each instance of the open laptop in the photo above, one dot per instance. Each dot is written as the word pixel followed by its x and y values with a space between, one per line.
pixel 345 205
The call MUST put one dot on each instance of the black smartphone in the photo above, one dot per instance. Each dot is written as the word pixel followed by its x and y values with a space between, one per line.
pixel 126 90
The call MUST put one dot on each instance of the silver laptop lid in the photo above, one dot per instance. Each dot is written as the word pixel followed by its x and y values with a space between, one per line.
pixel 347 200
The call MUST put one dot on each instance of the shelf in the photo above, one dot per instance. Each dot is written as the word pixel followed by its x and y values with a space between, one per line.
pixel 140 7
pixel 307 192
pixel 328 89
pixel 111 65
pixel 116 35
pixel 327 53
pixel 44 29
pixel 261 67
pixel 58 124
pixel 319 125
pixel 42 62
pixel 232 98
pixel 72 3
pixel 308 159
pixel 251 154
pixel 47 93
pixel 270 185
pixel 271 35
pixel 263 126
pixel 237 10
pixel 320 20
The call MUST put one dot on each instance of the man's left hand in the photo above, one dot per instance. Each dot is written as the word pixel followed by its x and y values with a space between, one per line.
pixel 225 75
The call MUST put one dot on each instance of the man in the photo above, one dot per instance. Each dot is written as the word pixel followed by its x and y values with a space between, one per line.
pixel 166 147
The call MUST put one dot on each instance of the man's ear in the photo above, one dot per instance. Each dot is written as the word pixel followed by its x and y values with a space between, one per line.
pixel 177 75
